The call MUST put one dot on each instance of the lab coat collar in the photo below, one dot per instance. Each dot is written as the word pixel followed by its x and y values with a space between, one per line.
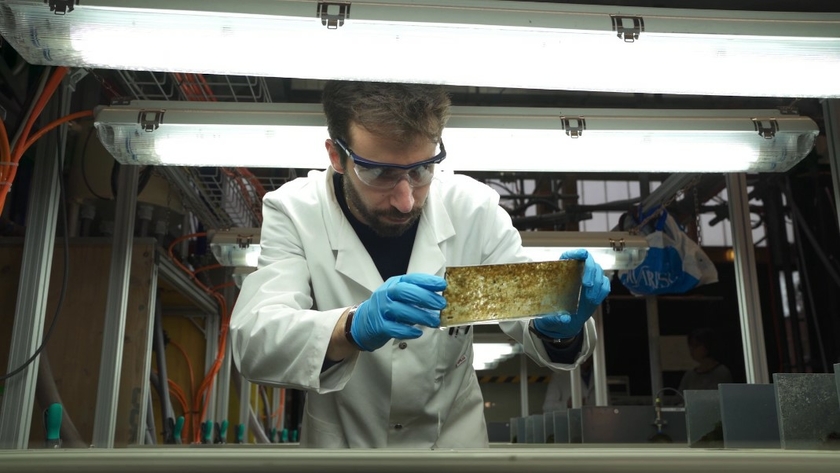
pixel 351 257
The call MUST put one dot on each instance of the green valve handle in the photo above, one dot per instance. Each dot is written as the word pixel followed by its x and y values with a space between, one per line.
pixel 52 425
pixel 208 431
pixel 284 436
pixel 223 431
pixel 240 433
pixel 179 427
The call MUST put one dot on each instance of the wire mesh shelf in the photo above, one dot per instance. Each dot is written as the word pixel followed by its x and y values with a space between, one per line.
pixel 146 85
pixel 218 197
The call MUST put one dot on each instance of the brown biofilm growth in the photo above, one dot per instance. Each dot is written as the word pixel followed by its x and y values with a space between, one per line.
pixel 510 291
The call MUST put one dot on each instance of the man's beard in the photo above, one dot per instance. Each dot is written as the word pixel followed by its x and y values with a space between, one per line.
pixel 374 218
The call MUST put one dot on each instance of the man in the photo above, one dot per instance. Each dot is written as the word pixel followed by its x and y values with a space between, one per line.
pixel 346 301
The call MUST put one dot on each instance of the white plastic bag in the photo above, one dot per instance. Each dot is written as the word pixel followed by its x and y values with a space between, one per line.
pixel 674 263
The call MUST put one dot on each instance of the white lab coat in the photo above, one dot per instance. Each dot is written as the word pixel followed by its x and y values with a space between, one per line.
pixel 418 394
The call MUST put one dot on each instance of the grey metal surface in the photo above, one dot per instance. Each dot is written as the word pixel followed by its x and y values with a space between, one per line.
pixel 749 304
pixel 36 264
pixel 702 418
pixel 113 331
pixel 809 416
pixel 535 429
pixel 553 458
pixel 517 430
pixel 575 435
pixel 559 427
pixel 630 424
pixel 749 417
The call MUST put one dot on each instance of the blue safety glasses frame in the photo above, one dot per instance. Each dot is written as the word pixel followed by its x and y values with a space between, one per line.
pixel 387 176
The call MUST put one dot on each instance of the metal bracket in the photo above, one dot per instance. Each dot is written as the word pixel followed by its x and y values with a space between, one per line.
pixel 617 245
pixel 75 76
pixel 333 21
pixel 244 241
pixel 627 33
pixel 788 110
pixel 767 132
pixel 62 7
pixel 573 130
pixel 150 120
pixel 123 100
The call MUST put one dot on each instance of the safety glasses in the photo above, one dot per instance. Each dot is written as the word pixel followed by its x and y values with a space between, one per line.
pixel 387 176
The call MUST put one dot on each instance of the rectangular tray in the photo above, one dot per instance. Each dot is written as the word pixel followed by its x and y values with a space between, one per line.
pixel 491 293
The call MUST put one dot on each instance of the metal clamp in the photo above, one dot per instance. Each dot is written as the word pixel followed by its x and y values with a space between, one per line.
pixel 618 245
pixel 627 33
pixel 244 241
pixel 150 120
pixel 333 21
pixel 573 130
pixel 62 7
pixel 75 76
pixel 767 132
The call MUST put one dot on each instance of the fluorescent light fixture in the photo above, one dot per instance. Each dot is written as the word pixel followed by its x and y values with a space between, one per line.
pixel 534 45
pixel 611 250
pixel 487 356
pixel 238 247
pixel 503 139
pixel 239 274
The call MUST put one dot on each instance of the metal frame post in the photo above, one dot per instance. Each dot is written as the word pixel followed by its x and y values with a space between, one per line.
pixel 244 406
pixel 831 119
pixel 523 384
pixel 576 387
pixel 599 363
pixel 211 333
pixel 30 312
pixel 223 386
pixel 652 310
pixel 107 392
pixel 749 305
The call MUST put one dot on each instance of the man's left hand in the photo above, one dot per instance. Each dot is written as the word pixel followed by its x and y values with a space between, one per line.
pixel 596 287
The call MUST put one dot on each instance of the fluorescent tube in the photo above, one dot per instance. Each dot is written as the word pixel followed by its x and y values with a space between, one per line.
pixel 477 138
pixel 486 43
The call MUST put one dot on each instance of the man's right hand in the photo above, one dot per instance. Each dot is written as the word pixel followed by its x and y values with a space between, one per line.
pixel 395 307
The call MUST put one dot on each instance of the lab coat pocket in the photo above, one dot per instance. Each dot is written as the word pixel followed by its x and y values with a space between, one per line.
pixel 454 349
pixel 318 433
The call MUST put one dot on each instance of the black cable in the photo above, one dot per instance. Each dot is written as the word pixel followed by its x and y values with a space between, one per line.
pixel 84 168
pixel 63 208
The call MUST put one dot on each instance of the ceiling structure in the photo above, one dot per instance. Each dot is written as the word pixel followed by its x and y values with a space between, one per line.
pixel 112 85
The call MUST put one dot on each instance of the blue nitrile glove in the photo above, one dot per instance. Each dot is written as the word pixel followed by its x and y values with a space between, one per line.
pixel 397 305
pixel 595 289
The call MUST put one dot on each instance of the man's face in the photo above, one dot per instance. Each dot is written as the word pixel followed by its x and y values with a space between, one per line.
pixel 389 212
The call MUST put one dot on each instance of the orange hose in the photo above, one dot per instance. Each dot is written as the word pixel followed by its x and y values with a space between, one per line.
pixel 49 90
pixel 49 127
pixel 5 152
pixel 189 365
